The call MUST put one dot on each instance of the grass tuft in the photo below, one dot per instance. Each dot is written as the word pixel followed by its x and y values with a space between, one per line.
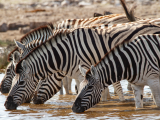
pixel 6 43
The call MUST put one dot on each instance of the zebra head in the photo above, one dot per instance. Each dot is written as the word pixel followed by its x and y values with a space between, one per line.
pixel 6 83
pixel 23 89
pixel 90 94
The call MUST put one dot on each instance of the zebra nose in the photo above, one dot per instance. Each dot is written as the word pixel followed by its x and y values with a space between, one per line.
pixel 77 106
pixel 3 88
pixel 9 104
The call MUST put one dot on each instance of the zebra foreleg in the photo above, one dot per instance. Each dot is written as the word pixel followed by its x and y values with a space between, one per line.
pixel 118 88
pixel 61 90
pixel 155 88
pixel 105 94
pixel 65 84
pixel 77 85
pixel 129 86
pixel 138 94
pixel 69 83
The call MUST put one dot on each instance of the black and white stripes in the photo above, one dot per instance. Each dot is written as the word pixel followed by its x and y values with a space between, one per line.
pixel 137 61
pixel 64 52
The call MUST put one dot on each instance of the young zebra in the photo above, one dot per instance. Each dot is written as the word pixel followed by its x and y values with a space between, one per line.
pixel 63 53
pixel 137 61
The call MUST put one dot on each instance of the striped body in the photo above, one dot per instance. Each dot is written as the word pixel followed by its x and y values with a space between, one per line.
pixel 137 61
pixel 74 23
pixel 65 51
pixel 41 34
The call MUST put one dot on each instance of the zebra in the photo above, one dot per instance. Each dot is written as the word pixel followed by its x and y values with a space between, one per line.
pixel 41 33
pixel 78 22
pixel 137 61
pixel 9 74
pixel 43 94
pixel 68 23
pixel 71 49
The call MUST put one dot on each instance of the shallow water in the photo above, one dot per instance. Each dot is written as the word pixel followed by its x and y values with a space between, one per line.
pixel 59 107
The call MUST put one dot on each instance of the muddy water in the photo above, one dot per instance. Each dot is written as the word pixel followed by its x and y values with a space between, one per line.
pixel 59 107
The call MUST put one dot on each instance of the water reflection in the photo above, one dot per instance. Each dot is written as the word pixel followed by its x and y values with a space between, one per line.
pixel 59 107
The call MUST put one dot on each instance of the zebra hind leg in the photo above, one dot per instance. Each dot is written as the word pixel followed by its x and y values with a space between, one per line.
pixel 155 88
pixel 138 94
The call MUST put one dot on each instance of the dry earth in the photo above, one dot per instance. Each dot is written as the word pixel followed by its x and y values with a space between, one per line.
pixel 57 14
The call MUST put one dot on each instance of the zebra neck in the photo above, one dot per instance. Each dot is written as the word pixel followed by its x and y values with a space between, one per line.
pixel 116 66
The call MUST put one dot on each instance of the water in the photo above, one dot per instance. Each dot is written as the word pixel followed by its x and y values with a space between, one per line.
pixel 59 107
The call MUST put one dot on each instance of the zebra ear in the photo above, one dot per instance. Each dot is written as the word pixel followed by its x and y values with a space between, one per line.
pixel 25 66
pixel 16 57
pixel 19 45
pixel 82 70
pixel 94 72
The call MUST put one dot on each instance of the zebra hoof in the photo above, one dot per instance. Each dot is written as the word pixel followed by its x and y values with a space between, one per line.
pixel 9 104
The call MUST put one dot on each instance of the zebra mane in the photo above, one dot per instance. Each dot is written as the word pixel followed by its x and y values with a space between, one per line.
pixel 26 38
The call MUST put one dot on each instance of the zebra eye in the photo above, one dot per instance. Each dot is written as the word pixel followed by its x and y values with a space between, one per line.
pixel 90 87
pixel 21 83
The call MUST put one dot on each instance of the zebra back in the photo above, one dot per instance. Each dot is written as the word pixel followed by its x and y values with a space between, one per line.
pixel 115 28
pixel 75 23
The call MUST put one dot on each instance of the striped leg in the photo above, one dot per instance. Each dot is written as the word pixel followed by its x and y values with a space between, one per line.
pixel 77 86
pixel 118 88
pixel 138 94
pixel 155 88
pixel 65 84
pixel 61 90
pixel 105 94
pixel 129 86
pixel 69 83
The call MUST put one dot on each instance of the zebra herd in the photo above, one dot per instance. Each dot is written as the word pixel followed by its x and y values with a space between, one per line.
pixel 118 48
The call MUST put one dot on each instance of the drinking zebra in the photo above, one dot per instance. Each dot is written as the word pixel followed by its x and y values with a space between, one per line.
pixel 137 61
pixel 42 94
pixel 70 23
pixel 63 52
pixel 41 33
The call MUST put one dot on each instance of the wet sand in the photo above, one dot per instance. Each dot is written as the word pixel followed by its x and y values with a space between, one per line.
pixel 59 107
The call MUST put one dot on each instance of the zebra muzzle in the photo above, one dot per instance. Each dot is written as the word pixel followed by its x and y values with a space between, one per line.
pixel 9 104
pixel 77 108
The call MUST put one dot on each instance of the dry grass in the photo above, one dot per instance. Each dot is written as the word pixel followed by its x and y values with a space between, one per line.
pixel 3 58
pixel 6 43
